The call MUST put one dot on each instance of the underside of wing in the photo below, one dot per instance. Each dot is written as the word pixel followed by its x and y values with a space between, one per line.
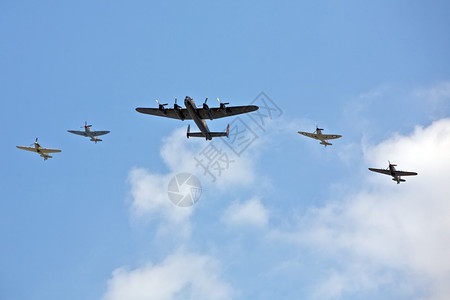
pixel 228 111
pixel 166 113
pixel 45 150
pixel 97 133
pixel 309 134
pixel 405 173
pixel 382 171
pixel 32 149
pixel 331 136
pixel 77 132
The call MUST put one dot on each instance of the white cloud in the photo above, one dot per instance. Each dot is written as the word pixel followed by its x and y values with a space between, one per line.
pixel 179 276
pixel 388 228
pixel 150 199
pixel 251 212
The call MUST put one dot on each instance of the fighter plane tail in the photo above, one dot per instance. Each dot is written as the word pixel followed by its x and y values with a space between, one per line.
pixel 46 156
pixel 326 144
pixel 398 181
pixel 96 140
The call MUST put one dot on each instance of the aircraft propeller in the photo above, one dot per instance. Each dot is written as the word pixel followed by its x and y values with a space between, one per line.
pixel 223 105
pixel 391 165
pixel 161 106
pixel 86 125
pixel 35 142
pixel 317 128
pixel 205 106
pixel 176 106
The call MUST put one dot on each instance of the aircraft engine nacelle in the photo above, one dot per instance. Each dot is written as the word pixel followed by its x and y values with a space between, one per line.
pixel 223 106
pixel 206 107
pixel 178 111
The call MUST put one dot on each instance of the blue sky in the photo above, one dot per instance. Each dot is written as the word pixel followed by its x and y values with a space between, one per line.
pixel 288 218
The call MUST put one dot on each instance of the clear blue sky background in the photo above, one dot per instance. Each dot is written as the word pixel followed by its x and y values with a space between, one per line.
pixel 372 72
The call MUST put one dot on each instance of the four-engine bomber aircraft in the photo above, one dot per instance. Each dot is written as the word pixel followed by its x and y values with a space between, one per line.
pixel 43 152
pixel 393 172
pixel 89 133
pixel 191 112
pixel 319 136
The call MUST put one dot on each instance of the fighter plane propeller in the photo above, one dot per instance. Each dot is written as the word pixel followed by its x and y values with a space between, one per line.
pixel 318 129
pixel 191 112
pixel 85 125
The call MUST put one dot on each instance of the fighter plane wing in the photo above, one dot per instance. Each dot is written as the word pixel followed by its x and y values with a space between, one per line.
pixel 32 149
pixel 216 112
pixel 46 150
pixel 382 171
pixel 41 150
pixel 83 133
pixel 405 173
pixel 309 134
pixel 331 136
pixel 97 133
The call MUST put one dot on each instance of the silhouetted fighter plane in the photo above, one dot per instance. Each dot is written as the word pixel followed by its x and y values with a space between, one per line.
pixel 394 173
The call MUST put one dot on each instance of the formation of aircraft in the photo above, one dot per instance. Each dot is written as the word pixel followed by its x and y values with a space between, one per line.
pixel 199 115
pixel 396 175
pixel 43 152
pixel 93 135
pixel 317 134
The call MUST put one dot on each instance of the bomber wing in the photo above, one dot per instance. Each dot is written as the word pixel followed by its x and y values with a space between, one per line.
pixel 309 134
pixel 228 111
pixel 405 173
pixel 382 171
pixel 83 133
pixel 167 113
pixel 331 136
pixel 32 149
pixel 215 112
pixel 97 133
